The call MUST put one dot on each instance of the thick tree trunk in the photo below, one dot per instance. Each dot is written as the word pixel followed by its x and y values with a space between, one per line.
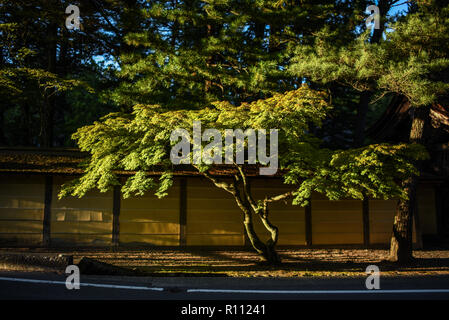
pixel 26 125
pixel 46 115
pixel 401 246
pixel 401 250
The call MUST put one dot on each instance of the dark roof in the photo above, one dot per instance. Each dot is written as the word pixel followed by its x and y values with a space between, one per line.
pixel 69 161
pixel 66 161
pixel 394 124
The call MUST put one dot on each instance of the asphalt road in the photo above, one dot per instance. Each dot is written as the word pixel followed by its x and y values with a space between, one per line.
pixel 50 286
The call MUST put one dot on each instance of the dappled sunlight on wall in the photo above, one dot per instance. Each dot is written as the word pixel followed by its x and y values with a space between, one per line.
pixel 149 220
pixel 21 209
pixel 213 217
pixel 85 221
pixel 290 219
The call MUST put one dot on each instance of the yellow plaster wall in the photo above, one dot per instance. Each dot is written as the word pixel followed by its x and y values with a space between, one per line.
pixel 21 209
pixel 150 220
pixel 84 221
pixel 213 217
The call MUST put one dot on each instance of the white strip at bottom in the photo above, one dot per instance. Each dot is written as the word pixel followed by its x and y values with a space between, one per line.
pixel 97 285
pixel 112 286
pixel 319 291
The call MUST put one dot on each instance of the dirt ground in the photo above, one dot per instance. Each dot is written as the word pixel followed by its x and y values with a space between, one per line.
pixel 245 263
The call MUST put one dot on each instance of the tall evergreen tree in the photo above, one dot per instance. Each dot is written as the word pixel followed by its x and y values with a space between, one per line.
pixel 195 52
pixel 410 62
pixel 41 61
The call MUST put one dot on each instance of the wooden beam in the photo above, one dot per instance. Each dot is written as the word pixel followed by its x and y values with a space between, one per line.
pixel 439 209
pixel 116 216
pixel 308 223
pixel 365 212
pixel 46 230
pixel 417 224
pixel 183 212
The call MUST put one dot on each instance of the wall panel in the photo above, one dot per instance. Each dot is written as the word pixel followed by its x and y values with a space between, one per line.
pixel 290 219
pixel 381 221
pixel 21 209
pixel 84 221
pixel 150 220
pixel 213 217
pixel 336 222
pixel 427 209
pixel 381 217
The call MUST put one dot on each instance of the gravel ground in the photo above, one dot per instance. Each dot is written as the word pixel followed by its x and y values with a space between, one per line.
pixel 238 262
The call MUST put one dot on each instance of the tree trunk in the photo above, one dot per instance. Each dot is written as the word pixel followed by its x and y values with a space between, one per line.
pixel 2 125
pixel 401 250
pixel 266 250
pixel 246 203
pixel 362 111
pixel 365 96
pixel 271 254
pixel 48 105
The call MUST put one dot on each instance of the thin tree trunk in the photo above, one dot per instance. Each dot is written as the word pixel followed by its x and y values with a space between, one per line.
pixel 266 250
pixel 365 96
pixel 245 202
pixel 274 236
pixel 401 247
pixel 26 125
pixel 2 125
pixel 47 109
pixel 362 111
pixel 255 241
pixel 269 251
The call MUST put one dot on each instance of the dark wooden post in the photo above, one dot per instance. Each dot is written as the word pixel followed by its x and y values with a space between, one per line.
pixel 46 237
pixel 308 222
pixel 116 216
pixel 439 208
pixel 417 222
pixel 365 212
pixel 182 212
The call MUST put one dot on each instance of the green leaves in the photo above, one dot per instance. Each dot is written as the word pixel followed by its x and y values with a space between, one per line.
pixel 372 171
pixel 138 184
pixel 140 143
pixel 405 63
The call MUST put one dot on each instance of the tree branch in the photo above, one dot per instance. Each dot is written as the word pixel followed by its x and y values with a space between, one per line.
pixel 246 190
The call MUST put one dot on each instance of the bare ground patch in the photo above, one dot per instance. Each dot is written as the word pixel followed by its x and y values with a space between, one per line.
pixel 245 263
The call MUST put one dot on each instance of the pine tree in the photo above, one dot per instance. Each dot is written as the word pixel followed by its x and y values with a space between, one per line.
pixel 41 61
pixel 410 62
pixel 191 53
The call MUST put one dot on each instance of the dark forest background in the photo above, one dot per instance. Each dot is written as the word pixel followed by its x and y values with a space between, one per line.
pixel 178 54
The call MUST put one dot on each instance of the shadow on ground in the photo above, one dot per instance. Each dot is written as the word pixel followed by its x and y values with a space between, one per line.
pixel 244 262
